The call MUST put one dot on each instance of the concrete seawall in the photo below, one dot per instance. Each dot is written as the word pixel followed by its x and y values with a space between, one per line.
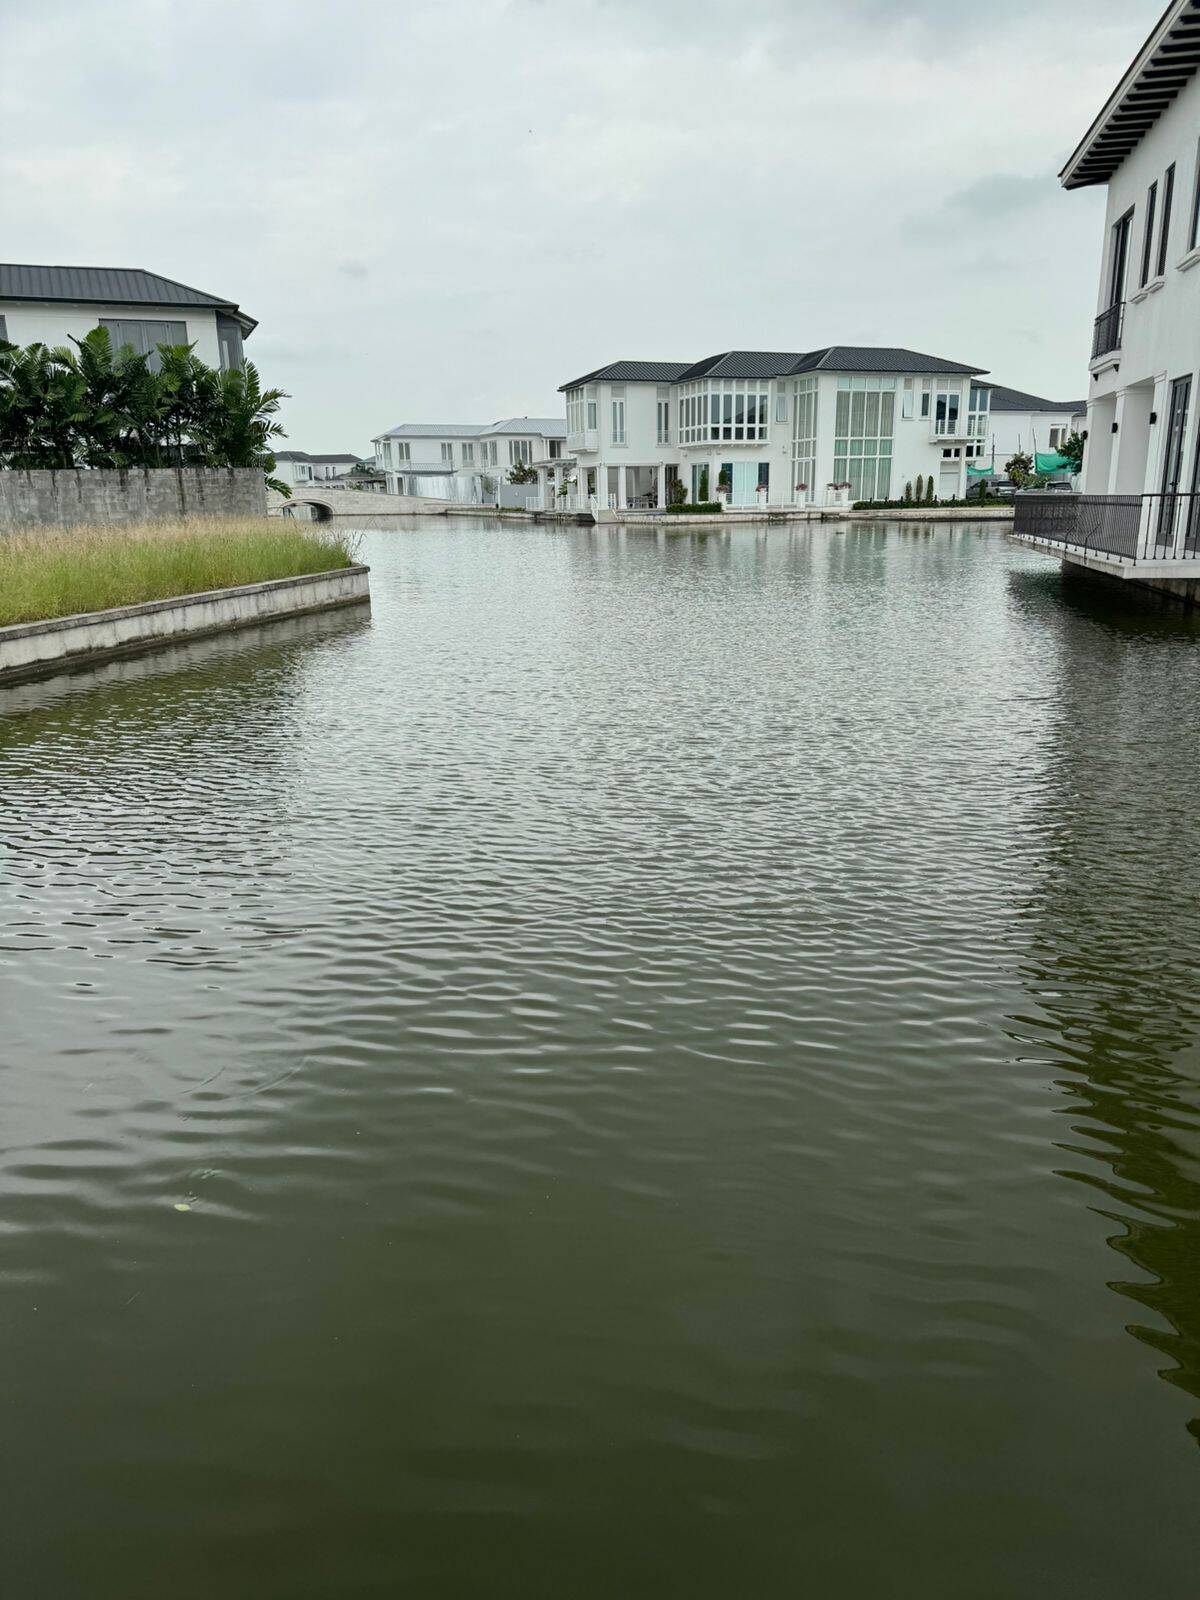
pixel 71 644
pixel 112 495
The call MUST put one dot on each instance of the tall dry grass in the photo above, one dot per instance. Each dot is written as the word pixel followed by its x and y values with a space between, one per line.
pixel 57 572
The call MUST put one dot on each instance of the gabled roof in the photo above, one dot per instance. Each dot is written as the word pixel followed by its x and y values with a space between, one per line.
pixel 547 427
pixel 110 286
pixel 630 372
pixel 742 364
pixel 1017 400
pixel 776 364
pixel 876 358
pixel 1164 65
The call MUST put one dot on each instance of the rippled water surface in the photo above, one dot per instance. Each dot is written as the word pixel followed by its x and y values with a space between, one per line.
pixel 681 1053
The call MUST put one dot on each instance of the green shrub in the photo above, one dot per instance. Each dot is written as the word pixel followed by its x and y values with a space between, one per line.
pixel 704 507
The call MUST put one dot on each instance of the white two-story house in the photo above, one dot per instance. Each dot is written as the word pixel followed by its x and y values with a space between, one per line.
pixel 753 428
pixel 52 305
pixel 466 461
pixel 1137 515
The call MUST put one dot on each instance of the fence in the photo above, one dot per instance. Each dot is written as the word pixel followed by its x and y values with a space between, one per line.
pixel 1131 527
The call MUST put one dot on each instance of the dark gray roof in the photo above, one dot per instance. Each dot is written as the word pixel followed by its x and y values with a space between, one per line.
pixel 742 364
pixel 1017 400
pixel 876 358
pixel 109 286
pixel 631 372
pixel 775 364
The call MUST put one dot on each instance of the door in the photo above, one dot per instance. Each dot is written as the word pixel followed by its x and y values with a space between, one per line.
pixel 1168 505
pixel 948 481
pixel 745 483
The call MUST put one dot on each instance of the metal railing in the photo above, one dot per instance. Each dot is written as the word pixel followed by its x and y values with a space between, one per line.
pixel 1131 527
pixel 1107 336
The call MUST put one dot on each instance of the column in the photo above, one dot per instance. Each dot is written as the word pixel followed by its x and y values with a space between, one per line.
pixel 662 485
pixel 621 501
pixel 1114 461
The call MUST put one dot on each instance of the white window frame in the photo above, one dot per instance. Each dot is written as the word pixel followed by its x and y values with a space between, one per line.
pixel 448 453
pixel 617 397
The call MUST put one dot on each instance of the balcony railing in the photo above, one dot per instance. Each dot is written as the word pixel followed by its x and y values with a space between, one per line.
pixel 1129 527
pixel 1107 336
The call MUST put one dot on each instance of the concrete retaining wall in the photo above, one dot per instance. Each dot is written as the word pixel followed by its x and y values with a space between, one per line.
pixel 140 495
pixel 70 644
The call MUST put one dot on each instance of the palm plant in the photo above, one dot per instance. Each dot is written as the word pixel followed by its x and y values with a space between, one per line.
pixel 93 407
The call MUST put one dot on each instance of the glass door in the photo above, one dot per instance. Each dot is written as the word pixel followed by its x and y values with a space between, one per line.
pixel 1168 504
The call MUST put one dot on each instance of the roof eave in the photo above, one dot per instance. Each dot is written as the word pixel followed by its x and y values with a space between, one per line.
pixel 1070 176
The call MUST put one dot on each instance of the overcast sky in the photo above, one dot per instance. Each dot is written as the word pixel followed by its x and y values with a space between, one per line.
pixel 440 210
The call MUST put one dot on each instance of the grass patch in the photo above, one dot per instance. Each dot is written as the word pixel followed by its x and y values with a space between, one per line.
pixel 57 572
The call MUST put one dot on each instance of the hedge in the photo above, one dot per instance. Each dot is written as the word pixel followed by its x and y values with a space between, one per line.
pixel 706 507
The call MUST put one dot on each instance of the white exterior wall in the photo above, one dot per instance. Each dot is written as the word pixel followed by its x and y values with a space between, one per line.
pixel 1011 431
pixel 915 450
pixel 53 322
pixel 1160 338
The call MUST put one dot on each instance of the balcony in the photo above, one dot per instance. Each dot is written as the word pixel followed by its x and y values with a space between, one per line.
pixel 1144 535
pixel 1107 336
pixel 585 439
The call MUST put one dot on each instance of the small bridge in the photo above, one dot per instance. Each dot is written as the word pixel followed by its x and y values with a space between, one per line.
pixel 363 506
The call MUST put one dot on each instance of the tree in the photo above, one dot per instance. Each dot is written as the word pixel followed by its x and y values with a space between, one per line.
pixel 908 493
pixel 93 407
pixel 920 487
pixel 1072 448
pixel 929 490
pixel 1019 468
pixel 522 472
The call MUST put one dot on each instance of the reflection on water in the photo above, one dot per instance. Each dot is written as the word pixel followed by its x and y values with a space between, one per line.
pixel 661 1036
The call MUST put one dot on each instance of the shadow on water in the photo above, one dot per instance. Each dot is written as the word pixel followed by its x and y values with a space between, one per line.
pixel 1113 926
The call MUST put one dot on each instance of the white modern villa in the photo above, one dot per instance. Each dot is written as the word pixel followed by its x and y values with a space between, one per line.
pixel 52 305
pixel 1137 516
pixel 752 428
pixel 465 461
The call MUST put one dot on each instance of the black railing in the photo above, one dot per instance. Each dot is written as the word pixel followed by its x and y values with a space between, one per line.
pixel 1107 336
pixel 1132 527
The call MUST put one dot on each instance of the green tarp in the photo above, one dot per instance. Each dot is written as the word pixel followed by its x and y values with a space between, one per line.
pixel 1051 461
pixel 981 472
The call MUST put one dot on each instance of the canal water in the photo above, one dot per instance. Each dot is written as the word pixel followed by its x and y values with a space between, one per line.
pixel 680 1053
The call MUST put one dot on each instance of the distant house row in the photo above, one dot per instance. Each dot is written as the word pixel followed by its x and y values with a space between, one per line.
pixel 747 427
pixel 465 460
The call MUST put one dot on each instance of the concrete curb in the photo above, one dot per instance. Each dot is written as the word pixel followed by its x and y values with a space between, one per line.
pixel 73 644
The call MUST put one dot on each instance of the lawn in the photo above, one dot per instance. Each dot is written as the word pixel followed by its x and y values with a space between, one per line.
pixel 57 572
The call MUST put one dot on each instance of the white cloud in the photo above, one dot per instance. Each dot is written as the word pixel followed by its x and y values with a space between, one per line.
pixel 443 208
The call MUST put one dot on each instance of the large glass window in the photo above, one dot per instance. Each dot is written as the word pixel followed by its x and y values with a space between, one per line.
pixel 1165 230
pixel 1148 234
pixel 946 409
pixel 979 403
pixel 591 408
pixel 864 424
pixel 618 416
pixel 664 416
pixel 733 409
pixel 804 440
pixel 574 410
pixel 447 452
pixel 520 451
pixel 403 451
pixel 143 338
